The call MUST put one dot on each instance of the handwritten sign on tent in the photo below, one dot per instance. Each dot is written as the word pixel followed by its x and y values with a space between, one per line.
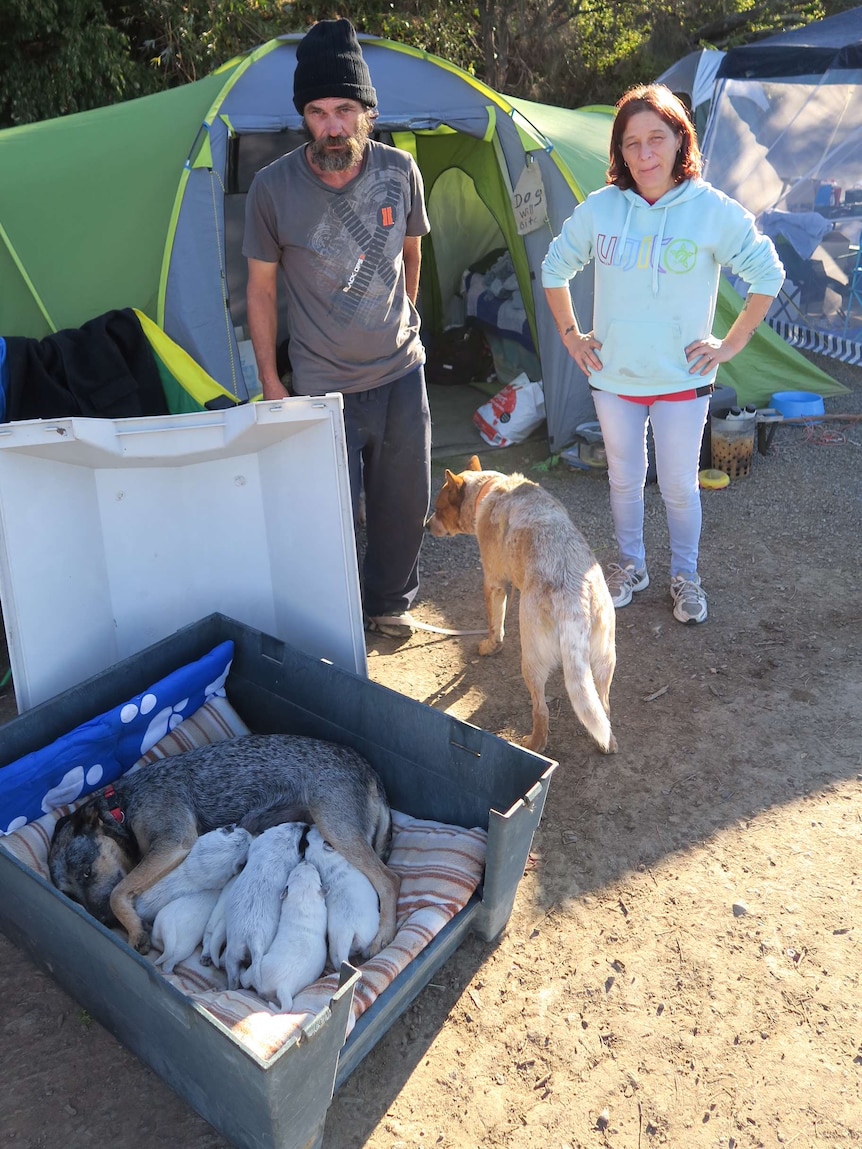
pixel 528 200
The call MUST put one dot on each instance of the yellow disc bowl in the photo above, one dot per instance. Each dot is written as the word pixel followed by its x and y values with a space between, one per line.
pixel 712 480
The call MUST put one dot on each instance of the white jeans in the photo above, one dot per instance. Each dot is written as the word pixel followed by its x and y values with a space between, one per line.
pixel 677 429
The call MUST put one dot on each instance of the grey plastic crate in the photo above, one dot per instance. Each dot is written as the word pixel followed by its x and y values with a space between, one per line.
pixel 433 766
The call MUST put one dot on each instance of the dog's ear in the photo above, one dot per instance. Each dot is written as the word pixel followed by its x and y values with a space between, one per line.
pixel 99 817
pixel 452 494
pixel 61 822
pixel 84 820
pixel 474 464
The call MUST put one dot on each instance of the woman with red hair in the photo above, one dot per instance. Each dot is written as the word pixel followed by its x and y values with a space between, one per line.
pixel 658 235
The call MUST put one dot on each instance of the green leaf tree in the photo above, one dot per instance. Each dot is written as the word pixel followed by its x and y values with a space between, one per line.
pixel 60 56
pixel 69 55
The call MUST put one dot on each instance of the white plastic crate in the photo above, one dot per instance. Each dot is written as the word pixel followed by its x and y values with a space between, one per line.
pixel 115 533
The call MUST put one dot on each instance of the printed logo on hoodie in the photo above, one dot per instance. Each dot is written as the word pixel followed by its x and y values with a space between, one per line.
pixel 678 255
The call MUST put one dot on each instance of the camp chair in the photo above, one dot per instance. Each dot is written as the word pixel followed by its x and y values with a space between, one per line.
pixel 809 278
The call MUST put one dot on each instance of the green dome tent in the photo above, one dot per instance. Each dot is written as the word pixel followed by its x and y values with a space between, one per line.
pixel 141 205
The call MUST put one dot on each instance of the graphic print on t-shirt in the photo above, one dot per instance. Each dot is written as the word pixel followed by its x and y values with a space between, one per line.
pixel 359 241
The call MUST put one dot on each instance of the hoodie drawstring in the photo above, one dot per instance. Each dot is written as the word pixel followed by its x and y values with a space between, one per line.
pixel 657 253
pixel 658 242
pixel 625 235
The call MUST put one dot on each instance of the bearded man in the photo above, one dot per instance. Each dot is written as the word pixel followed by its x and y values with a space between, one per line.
pixel 342 216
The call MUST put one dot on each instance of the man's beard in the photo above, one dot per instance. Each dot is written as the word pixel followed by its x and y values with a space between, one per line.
pixel 339 153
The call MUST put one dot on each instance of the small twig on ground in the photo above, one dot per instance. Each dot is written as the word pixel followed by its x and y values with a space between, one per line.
pixel 658 693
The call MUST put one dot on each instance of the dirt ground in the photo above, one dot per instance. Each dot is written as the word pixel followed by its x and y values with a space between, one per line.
pixel 684 959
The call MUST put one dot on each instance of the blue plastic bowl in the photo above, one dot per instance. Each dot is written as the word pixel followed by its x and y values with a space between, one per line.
pixel 592 432
pixel 797 404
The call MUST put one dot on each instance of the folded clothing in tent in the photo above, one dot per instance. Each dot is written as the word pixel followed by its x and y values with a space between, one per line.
pixel 118 365
pixel 492 297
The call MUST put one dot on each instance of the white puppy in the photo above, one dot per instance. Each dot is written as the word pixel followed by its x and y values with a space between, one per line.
pixel 215 932
pixel 297 955
pixel 179 927
pixel 252 910
pixel 352 905
pixel 215 857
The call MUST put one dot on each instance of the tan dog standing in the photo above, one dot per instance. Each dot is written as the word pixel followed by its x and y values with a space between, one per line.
pixel 527 540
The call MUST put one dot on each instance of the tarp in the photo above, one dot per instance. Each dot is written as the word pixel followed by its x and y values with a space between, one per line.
pixel 785 138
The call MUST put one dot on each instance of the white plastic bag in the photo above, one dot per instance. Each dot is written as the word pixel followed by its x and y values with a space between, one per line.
pixel 512 414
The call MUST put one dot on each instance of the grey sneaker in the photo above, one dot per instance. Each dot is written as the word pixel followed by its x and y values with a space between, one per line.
pixel 689 598
pixel 392 625
pixel 624 581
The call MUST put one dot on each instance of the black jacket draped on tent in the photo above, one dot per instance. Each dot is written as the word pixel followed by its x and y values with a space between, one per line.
pixel 104 369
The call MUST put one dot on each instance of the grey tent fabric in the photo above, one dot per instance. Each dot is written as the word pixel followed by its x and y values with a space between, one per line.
pixel 694 78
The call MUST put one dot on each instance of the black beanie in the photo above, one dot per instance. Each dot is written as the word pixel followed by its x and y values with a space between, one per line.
pixel 329 62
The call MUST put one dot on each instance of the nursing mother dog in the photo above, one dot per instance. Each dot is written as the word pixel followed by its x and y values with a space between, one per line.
pixel 658 235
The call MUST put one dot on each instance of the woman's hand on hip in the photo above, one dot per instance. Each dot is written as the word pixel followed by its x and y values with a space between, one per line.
pixel 704 355
pixel 583 349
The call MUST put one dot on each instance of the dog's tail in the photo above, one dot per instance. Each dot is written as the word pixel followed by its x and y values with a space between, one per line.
pixel 588 658
pixel 381 830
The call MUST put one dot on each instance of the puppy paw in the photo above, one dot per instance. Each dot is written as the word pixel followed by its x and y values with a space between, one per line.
pixel 142 944
pixel 205 959
pixel 612 746
pixel 489 646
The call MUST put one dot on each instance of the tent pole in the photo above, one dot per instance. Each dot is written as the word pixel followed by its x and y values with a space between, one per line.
pixel 23 273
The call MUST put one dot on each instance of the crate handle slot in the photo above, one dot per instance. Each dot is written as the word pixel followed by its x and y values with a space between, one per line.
pixel 161 430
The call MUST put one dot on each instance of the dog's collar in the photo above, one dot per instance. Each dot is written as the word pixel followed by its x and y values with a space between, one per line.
pixel 482 492
pixel 115 811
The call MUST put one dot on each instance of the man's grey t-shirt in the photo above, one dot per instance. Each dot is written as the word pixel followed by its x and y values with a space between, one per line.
pixel 351 323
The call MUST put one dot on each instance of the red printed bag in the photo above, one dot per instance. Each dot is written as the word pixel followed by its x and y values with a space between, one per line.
pixel 512 414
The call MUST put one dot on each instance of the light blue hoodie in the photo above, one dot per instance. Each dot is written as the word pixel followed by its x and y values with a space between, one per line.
pixel 656 277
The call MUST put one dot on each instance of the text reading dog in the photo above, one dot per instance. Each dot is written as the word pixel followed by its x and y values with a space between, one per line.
pixel 527 540
pixel 124 839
